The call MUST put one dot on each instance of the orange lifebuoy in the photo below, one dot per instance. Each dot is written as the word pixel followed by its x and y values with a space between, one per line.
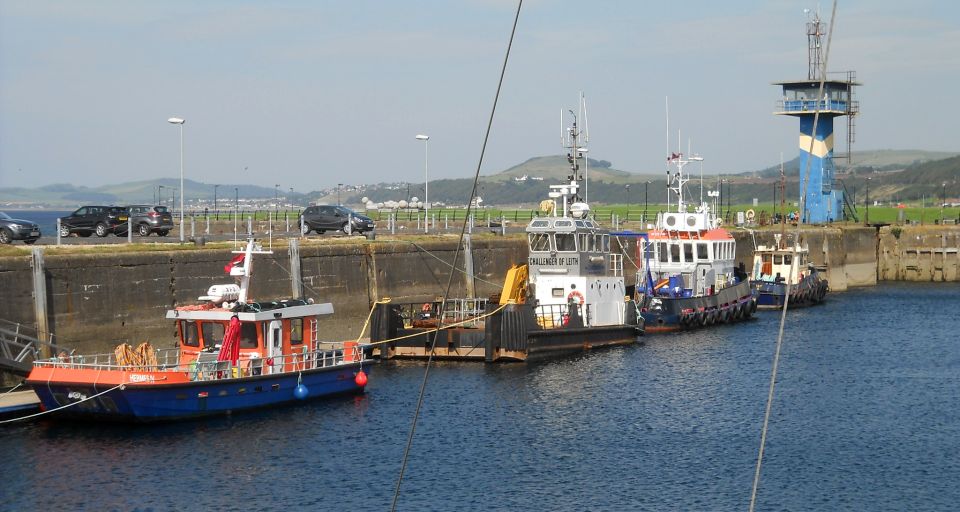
pixel 426 307
pixel 578 295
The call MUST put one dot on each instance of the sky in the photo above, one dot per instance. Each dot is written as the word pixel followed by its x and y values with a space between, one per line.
pixel 309 94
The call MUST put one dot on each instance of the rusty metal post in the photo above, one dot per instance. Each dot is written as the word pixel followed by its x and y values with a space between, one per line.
pixel 468 266
pixel 296 276
pixel 40 301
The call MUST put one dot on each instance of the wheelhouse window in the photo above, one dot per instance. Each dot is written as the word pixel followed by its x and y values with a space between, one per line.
pixel 566 242
pixel 787 259
pixel 212 333
pixel 188 333
pixel 248 335
pixel 662 252
pixel 296 331
pixel 702 252
pixel 582 240
pixel 687 252
pixel 777 259
pixel 539 241
pixel 606 243
pixel 674 253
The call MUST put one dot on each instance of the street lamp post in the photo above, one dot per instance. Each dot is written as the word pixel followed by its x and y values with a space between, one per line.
pixel 180 121
pixel 627 186
pixel 338 193
pixel 160 194
pixel 426 179
pixel 866 202
pixel 943 201
pixel 276 199
pixel 215 210
pixel 646 186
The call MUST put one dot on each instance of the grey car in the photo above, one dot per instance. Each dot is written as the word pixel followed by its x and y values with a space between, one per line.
pixel 334 218
pixel 147 218
pixel 17 229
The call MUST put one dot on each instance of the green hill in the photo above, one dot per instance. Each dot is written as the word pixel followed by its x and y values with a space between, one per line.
pixel 555 167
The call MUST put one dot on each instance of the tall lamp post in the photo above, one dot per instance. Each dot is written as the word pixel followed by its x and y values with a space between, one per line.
pixel 276 198
pixel 215 210
pixel 180 121
pixel 646 186
pixel 866 202
pixel 627 186
pixel 426 180
pixel 160 194
pixel 338 193
pixel 943 201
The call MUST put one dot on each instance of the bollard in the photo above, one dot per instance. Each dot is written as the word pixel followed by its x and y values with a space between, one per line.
pixel 349 228
pixel 286 217
pixel 208 225
pixel 193 226
pixel 58 231
pixel 129 228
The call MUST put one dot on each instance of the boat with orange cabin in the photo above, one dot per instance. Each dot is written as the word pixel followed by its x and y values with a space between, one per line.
pixel 233 354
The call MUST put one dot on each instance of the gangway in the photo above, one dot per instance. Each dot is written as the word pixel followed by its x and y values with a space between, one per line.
pixel 18 350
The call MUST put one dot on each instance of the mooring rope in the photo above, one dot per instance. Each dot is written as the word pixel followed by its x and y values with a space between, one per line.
pixel 71 404
pixel 796 243
pixel 438 328
pixel 463 229
pixel 11 390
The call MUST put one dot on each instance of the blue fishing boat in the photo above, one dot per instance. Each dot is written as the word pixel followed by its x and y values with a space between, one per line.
pixel 233 354
pixel 776 266
pixel 687 278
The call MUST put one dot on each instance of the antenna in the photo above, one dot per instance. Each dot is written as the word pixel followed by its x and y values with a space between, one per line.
pixel 666 100
pixel 815 29
pixel 586 140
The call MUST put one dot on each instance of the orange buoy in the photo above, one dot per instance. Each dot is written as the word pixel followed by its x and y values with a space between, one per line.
pixel 361 378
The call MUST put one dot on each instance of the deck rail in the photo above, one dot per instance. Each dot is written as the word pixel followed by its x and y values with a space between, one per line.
pixel 207 367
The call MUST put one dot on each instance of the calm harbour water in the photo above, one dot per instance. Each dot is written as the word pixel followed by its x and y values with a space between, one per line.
pixel 867 417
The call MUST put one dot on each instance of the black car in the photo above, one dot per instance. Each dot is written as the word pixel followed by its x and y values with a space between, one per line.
pixel 17 229
pixel 101 220
pixel 334 218
pixel 148 219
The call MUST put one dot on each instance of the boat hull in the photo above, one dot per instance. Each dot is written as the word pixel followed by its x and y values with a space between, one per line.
pixel 669 314
pixel 812 290
pixel 158 400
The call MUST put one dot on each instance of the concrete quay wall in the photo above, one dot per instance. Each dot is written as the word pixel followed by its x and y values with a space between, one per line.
pixel 95 301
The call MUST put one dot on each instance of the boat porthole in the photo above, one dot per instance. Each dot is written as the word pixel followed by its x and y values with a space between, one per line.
pixel 275 387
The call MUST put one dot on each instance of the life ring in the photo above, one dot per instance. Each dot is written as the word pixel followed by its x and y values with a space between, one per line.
pixel 426 307
pixel 578 295
pixel 751 214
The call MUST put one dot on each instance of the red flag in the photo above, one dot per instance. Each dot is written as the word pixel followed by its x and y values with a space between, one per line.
pixel 230 348
pixel 235 262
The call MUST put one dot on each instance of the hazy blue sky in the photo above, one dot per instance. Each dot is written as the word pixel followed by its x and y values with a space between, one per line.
pixel 310 94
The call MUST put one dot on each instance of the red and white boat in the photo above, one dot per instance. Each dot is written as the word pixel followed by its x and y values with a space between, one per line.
pixel 233 354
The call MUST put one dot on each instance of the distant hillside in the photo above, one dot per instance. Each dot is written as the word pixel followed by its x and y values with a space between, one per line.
pixel 863 161
pixel 66 195
pixel 894 175
pixel 556 167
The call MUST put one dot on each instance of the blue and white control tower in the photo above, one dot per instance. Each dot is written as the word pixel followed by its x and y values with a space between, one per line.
pixel 801 98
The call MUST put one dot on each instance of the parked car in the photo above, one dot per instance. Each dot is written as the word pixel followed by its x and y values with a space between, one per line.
pixel 101 220
pixel 17 229
pixel 334 218
pixel 148 219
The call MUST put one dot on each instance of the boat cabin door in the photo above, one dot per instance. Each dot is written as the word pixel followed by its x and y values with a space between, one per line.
pixel 275 345
pixel 704 277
